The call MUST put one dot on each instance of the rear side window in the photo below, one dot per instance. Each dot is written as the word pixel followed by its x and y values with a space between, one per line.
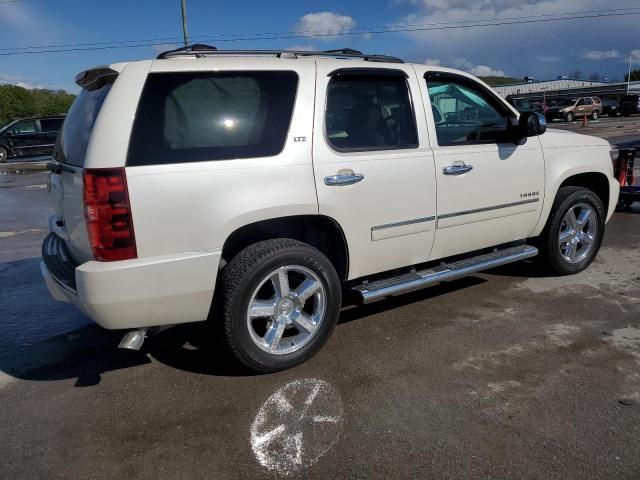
pixel 202 116
pixel 78 125
pixel 50 124
pixel 369 113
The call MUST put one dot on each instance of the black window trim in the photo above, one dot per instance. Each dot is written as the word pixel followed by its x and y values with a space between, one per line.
pixel 497 103
pixel 377 72
pixel 368 72
pixel 230 71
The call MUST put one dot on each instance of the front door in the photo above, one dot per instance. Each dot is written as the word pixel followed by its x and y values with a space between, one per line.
pixel 24 137
pixel 373 166
pixel 490 189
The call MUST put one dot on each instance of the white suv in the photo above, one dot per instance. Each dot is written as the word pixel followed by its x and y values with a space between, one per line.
pixel 250 188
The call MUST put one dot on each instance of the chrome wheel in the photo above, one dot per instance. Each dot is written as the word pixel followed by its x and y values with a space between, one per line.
pixel 3 155
pixel 286 310
pixel 578 233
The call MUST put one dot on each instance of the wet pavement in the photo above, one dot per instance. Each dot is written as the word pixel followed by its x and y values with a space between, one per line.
pixel 504 374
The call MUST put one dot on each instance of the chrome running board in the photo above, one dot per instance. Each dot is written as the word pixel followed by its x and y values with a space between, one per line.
pixel 409 282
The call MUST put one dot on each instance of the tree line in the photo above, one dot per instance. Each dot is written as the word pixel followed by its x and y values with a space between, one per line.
pixel 17 102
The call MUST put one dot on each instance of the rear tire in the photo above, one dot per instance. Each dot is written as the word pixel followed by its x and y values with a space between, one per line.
pixel 594 115
pixel 278 302
pixel 567 246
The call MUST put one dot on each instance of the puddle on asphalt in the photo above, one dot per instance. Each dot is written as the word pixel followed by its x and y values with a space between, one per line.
pixel 296 426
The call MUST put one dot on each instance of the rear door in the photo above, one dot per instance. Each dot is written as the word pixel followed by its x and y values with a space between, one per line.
pixel 70 153
pixel 48 131
pixel 489 187
pixel 374 169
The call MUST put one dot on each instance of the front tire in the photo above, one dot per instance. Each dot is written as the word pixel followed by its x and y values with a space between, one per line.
pixel 574 231
pixel 569 117
pixel 4 155
pixel 279 301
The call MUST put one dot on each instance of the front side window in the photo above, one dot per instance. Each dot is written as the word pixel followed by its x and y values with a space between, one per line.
pixel 24 126
pixel 369 112
pixel 464 113
pixel 203 116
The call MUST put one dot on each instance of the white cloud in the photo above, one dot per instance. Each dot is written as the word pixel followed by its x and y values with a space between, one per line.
pixel 477 70
pixel 324 23
pixel 466 66
pixel 635 56
pixel 20 18
pixel 436 62
pixel 538 48
pixel 601 54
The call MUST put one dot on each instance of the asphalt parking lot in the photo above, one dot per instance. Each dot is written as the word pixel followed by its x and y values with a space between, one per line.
pixel 618 130
pixel 506 374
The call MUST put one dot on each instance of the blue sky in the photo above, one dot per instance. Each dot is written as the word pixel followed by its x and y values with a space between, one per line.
pixel 544 50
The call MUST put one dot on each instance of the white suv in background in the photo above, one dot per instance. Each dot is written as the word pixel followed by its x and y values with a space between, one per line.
pixel 250 188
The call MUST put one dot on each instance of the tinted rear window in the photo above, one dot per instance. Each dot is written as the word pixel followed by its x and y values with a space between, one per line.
pixel 202 116
pixel 78 125
pixel 50 124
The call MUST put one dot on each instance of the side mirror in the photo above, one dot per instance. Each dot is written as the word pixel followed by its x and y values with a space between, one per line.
pixel 531 124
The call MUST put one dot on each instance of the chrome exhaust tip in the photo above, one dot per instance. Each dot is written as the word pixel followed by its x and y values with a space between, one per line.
pixel 134 339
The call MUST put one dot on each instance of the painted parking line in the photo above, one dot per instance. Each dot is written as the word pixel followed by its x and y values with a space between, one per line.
pixel 21 232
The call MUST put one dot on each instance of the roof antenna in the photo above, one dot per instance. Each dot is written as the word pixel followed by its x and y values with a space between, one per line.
pixel 185 33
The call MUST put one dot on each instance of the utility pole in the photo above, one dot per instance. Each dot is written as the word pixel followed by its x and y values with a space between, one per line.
pixel 185 33
pixel 629 74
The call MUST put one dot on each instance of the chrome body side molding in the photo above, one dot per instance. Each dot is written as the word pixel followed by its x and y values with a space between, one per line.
pixel 486 209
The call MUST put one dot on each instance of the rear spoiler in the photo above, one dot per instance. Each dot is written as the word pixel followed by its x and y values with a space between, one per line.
pixel 95 78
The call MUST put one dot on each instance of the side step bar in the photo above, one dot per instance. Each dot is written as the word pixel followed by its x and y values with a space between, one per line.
pixel 409 282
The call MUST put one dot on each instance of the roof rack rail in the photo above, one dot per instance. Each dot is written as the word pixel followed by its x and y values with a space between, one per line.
pixel 201 50
pixel 195 49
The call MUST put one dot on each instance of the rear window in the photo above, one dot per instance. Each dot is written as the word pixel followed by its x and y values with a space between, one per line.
pixel 203 116
pixel 78 125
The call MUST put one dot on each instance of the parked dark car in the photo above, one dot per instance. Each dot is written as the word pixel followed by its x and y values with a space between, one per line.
pixel 630 104
pixel 28 137
pixel 525 105
pixel 610 108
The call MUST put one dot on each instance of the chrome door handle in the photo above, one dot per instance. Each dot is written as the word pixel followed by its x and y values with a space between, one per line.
pixel 346 179
pixel 457 169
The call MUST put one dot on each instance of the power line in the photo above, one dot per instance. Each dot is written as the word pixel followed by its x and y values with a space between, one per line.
pixel 308 33
pixel 372 31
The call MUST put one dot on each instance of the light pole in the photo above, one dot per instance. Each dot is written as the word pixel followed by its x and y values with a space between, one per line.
pixel 184 23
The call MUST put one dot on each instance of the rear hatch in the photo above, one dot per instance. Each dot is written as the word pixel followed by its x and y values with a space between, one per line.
pixel 66 179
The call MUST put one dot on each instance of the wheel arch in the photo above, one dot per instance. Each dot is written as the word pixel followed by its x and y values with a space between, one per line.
pixel 597 182
pixel 319 231
pixel 593 179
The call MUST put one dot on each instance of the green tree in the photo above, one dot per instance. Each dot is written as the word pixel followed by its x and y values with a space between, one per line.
pixel 635 76
pixel 17 102
pixel 500 80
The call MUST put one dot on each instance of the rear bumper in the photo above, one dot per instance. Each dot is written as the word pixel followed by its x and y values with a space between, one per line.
pixel 143 292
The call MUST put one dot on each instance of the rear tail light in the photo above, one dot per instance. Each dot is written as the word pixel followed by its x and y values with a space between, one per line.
pixel 108 214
